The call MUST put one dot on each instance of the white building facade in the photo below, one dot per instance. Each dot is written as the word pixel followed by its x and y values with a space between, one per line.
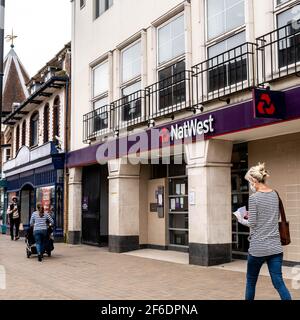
pixel 170 65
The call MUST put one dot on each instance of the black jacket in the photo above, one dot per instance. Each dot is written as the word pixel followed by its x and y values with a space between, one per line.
pixel 11 206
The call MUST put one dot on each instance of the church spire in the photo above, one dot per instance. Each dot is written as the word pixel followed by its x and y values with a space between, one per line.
pixel 15 78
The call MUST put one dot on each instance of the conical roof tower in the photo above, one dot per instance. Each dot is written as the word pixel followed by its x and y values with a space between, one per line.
pixel 14 82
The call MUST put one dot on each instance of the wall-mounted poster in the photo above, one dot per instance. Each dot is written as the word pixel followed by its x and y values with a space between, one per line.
pixel 46 197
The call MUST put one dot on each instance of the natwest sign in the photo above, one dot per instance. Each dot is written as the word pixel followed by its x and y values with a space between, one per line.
pixel 192 128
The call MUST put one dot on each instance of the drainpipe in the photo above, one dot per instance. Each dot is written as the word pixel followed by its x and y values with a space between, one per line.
pixel 2 10
pixel 66 171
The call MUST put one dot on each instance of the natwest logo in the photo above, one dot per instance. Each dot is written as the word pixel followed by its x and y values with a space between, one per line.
pixel 265 105
pixel 192 128
pixel 269 104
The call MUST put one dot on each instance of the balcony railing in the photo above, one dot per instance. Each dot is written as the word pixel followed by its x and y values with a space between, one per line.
pixel 273 56
pixel 96 123
pixel 278 53
pixel 129 110
pixel 170 95
pixel 225 74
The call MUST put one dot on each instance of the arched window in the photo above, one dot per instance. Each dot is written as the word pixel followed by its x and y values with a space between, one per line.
pixel 46 123
pixel 24 133
pixel 34 129
pixel 17 138
pixel 56 111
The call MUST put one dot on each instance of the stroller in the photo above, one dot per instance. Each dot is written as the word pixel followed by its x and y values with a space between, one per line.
pixel 31 246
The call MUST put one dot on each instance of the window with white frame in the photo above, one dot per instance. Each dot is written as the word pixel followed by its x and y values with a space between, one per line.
pixel 132 103
pixel 100 76
pixel 171 40
pixel 227 62
pixel 34 129
pixel 288 23
pixel 101 103
pixel 172 85
pixel 101 118
pixel 171 45
pixel 131 78
pixel 100 80
pixel 224 16
pixel 7 154
pixel 131 62
pixel 101 6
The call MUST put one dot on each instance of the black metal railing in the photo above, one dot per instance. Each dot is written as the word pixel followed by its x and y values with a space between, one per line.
pixel 273 56
pixel 169 95
pixel 278 53
pixel 129 111
pixel 227 73
pixel 96 123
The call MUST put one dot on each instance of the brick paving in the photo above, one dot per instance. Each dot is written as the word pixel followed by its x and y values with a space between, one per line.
pixel 83 272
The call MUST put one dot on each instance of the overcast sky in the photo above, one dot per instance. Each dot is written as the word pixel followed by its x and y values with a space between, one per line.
pixel 43 27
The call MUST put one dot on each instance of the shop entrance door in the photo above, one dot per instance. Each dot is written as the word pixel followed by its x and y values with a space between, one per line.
pixel 177 207
pixel 240 196
pixel 27 204
pixel 95 205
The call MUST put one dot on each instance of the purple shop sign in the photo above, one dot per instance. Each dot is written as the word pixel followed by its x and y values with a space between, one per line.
pixel 230 119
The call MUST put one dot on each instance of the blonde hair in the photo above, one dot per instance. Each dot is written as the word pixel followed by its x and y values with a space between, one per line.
pixel 258 172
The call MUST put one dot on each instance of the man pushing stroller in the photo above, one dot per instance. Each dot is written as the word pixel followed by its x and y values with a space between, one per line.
pixel 41 222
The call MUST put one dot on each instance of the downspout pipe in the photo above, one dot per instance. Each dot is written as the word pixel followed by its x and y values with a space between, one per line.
pixel 2 11
pixel 66 170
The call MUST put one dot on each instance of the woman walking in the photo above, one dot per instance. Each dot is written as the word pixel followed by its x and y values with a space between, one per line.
pixel 40 222
pixel 265 243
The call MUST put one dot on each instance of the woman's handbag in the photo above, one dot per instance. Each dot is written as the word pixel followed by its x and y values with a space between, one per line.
pixel 284 226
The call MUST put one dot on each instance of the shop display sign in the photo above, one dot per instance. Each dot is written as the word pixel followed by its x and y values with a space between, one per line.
pixel 269 104
pixel 46 199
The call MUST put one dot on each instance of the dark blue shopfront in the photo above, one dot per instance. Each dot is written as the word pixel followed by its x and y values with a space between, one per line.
pixel 39 180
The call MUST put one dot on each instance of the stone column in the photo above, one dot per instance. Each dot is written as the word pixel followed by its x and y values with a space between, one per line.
pixel 123 206
pixel 75 195
pixel 209 179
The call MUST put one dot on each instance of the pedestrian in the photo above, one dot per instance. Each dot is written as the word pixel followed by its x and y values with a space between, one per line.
pixel 14 217
pixel 40 221
pixel 265 243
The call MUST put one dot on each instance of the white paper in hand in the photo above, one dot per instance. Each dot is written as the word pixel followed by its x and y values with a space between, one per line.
pixel 240 215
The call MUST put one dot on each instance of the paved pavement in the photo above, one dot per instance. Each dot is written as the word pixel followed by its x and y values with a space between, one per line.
pixel 82 272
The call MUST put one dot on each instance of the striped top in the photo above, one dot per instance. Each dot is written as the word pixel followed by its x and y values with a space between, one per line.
pixel 40 223
pixel 263 221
